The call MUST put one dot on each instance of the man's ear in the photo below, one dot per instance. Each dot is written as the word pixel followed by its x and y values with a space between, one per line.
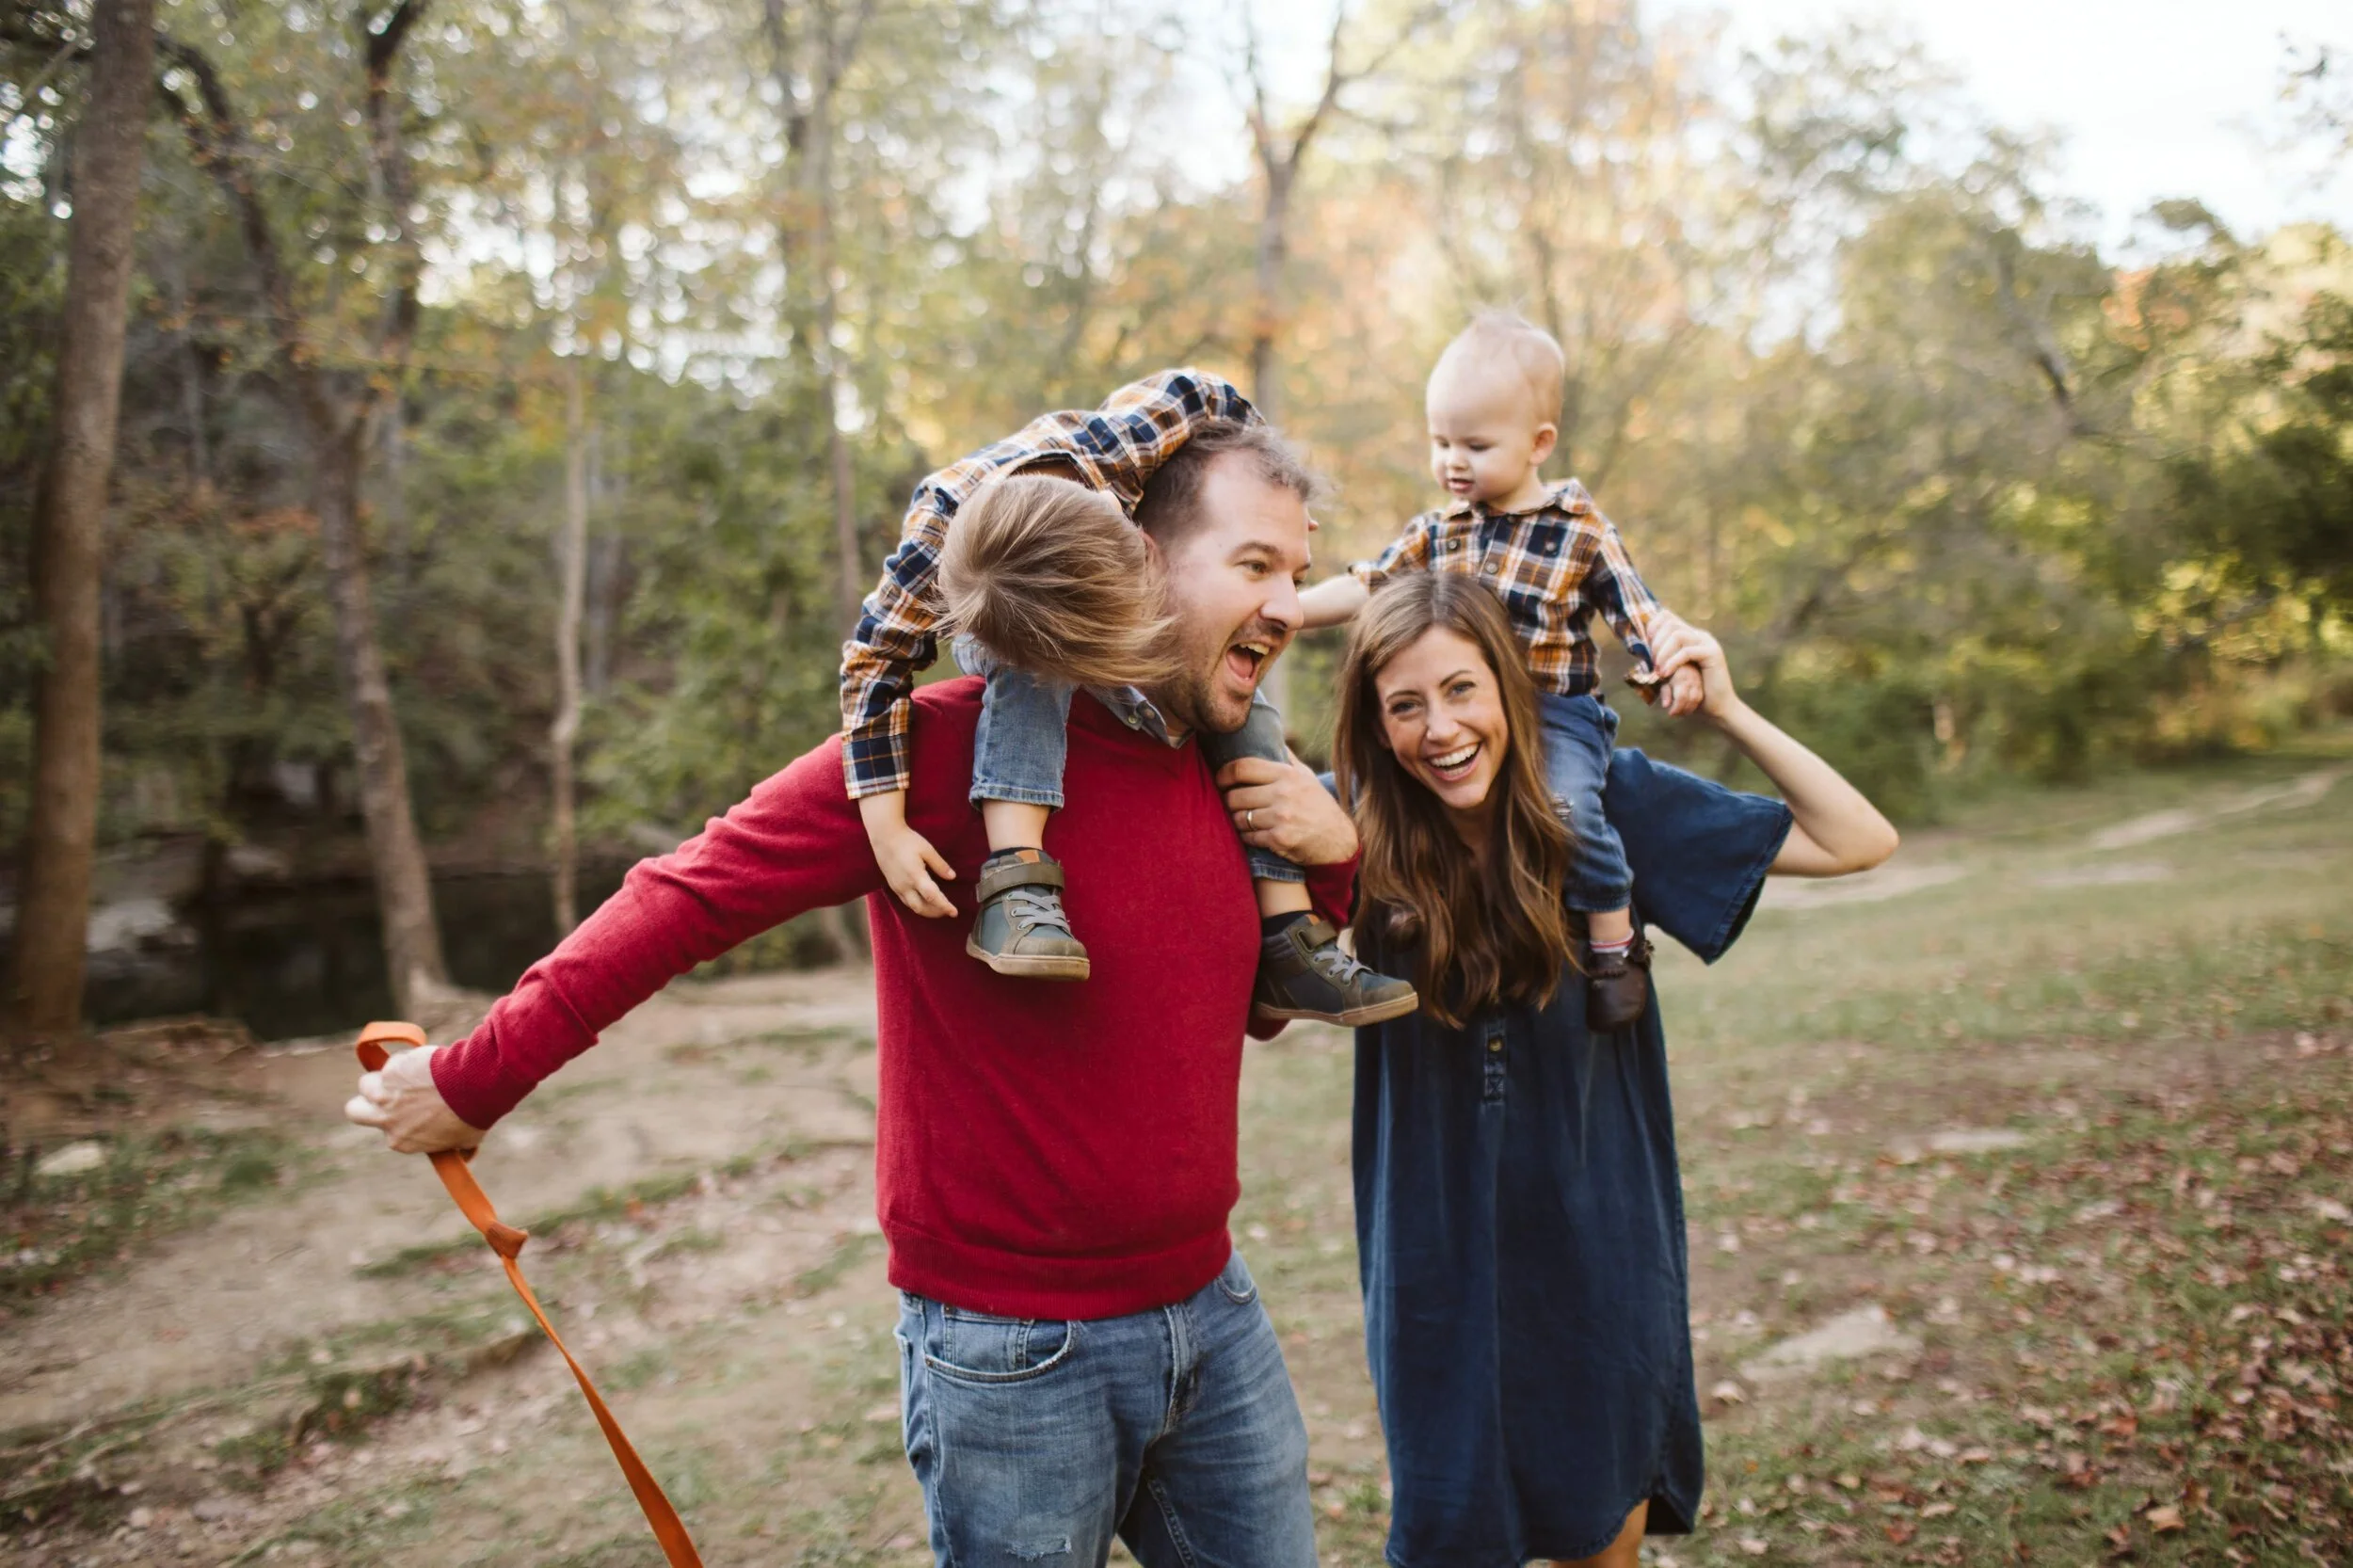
pixel 1547 437
pixel 1152 549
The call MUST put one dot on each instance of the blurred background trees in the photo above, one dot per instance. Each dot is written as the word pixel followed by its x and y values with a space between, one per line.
pixel 515 389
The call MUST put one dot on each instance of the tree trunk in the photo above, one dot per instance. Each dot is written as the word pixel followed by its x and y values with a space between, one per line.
pixel 604 605
pixel 403 888
pixel 572 568
pixel 819 168
pixel 43 990
pixel 1274 249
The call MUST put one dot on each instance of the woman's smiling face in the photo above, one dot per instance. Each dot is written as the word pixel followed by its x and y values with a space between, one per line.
pixel 1442 717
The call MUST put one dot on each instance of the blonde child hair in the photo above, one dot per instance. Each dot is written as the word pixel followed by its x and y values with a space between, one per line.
pixel 1508 343
pixel 1050 577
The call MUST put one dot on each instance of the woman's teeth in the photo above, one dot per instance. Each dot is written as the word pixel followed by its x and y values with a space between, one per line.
pixel 1454 761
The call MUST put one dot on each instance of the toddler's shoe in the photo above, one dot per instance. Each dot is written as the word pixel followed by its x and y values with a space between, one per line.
pixel 1617 986
pixel 1305 973
pixel 1020 929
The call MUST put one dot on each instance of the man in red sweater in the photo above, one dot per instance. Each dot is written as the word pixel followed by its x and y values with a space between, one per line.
pixel 1083 1355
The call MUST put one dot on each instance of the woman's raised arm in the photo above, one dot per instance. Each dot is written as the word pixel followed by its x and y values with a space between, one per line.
pixel 1837 831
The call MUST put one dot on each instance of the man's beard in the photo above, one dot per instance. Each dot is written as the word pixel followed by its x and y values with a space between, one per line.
pixel 1193 696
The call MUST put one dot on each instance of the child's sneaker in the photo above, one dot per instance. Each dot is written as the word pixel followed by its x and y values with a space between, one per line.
pixel 1305 973
pixel 1020 928
pixel 1617 986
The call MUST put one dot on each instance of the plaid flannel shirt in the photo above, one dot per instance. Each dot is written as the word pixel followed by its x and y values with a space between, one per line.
pixel 1114 448
pixel 1552 567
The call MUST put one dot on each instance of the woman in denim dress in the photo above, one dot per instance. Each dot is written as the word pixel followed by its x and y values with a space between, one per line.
pixel 1519 1213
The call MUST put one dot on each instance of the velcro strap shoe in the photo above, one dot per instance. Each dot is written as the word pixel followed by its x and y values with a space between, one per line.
pixel 1020 928
pixel 1304 972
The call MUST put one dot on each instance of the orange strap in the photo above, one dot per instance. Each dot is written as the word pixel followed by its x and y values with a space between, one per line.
pixel 504 1240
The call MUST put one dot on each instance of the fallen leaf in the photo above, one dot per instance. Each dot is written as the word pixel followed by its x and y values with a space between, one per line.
pixel 1938 1510
pixel 2166 1520
pixel 1899 1531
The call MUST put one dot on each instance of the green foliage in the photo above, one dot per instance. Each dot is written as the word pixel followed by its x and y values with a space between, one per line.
pixel 2274 509
pixel 32 291
pixel 1967 497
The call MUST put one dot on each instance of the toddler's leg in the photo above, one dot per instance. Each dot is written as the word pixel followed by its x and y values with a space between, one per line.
pixel 1304 972
pixel 1017 757
pixel 1020 747
pixel 1282 886
pixel 1577 736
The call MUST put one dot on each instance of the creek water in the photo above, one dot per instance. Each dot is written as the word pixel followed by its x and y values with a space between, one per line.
pixel 310 960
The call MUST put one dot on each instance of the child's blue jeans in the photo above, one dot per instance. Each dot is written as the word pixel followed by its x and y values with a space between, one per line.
pixel 1578 733
pixel 1019 751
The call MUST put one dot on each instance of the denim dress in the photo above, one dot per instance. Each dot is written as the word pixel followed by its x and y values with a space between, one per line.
pixel 1519 1227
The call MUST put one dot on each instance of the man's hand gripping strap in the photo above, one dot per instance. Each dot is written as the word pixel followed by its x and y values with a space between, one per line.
pixel 450 1165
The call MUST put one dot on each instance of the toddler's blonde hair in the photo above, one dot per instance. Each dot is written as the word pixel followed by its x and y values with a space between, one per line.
pixel 1050 576
pixel 1504 342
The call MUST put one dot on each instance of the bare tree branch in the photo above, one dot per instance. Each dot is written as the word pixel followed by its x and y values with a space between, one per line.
pixel 387 151
pixel 384 41
pixel 217 145
pixel 840 57
pixel 66 54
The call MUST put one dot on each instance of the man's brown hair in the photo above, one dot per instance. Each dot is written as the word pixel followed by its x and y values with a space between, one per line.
pixel 1049 575
pixel 1171 508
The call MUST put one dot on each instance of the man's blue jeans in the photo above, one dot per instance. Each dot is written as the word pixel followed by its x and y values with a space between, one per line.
pixel 1021 746
pixel 1175 1431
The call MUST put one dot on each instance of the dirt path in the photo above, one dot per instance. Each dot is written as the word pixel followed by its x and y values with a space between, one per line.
pixel 213 1305
pixel 1936 861
pixel 744 1107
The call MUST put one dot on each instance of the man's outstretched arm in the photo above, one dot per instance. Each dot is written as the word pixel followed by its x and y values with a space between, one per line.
pixel 792 846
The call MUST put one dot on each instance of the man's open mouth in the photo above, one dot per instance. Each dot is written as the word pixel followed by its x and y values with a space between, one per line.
pixel 1455 764
pixel 1245 660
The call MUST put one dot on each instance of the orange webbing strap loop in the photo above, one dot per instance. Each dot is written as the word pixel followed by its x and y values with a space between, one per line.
pixel 504 1240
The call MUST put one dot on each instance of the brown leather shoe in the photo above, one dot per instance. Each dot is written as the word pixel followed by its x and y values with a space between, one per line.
pixel 1617 986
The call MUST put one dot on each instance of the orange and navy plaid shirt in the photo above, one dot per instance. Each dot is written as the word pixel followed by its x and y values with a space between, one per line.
pixel 1114 448
pixel 1552 567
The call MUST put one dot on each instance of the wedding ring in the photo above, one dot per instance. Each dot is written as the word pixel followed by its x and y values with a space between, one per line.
pixel 1250 821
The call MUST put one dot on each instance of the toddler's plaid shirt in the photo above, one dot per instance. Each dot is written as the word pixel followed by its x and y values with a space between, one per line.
pixel 1552 568
pixel 1114 448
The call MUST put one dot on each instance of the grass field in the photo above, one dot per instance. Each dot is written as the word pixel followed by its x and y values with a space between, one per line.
pixel 2052 1124
pixel 2019 1179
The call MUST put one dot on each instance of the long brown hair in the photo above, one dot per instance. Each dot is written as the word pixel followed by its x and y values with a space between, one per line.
pixel 1490 929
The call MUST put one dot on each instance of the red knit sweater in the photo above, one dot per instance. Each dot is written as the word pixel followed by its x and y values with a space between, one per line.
pixel 1041 1150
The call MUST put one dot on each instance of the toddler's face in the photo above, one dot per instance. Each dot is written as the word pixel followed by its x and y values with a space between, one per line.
pixel 1486 439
